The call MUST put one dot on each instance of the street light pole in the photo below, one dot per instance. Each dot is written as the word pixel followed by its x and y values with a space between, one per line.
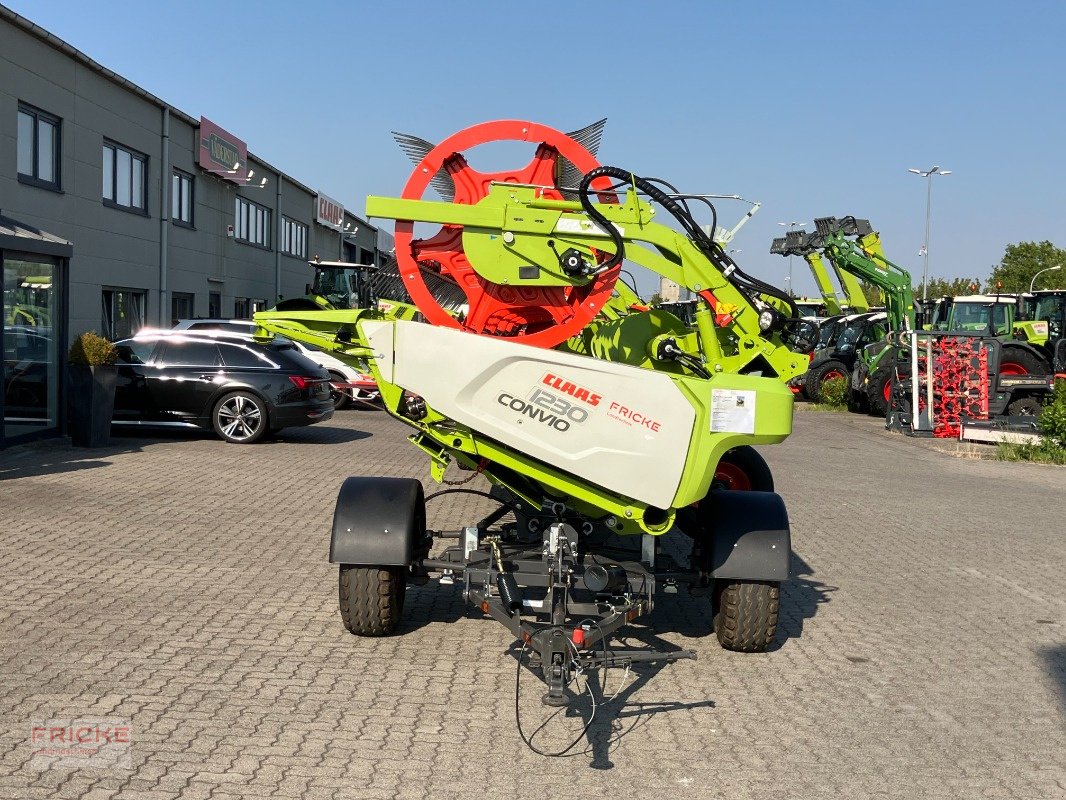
pixel 928 175
pixel 1032 283
pixel 791 226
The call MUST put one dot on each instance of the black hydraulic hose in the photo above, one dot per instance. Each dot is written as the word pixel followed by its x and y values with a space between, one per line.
pixel 744 283
pixel 598 218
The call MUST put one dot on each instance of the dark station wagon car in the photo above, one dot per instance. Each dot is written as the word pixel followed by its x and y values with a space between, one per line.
pixel 241 389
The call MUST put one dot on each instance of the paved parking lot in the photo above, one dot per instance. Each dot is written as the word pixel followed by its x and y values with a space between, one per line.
pixel 182 583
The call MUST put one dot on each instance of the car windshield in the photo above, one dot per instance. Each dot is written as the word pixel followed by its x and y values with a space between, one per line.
pixel 850 333
pixel 970 317
pixel 828 333
pixel 342 287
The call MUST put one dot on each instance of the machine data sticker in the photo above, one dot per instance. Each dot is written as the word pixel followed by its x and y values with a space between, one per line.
pixel 732 411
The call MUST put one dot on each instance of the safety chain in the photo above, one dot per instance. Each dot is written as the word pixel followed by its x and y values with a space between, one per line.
pixel 480 468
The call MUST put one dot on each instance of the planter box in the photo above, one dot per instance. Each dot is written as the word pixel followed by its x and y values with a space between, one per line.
pixel 91 404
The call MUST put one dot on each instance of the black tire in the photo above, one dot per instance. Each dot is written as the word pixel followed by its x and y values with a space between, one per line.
pixel 240 418
pixel 876 391
pixel 341 398
pixel 1024 407
pixel 1018 361
pixel 821 373
pixel 745 614
pixel 742 463
pixel 371 598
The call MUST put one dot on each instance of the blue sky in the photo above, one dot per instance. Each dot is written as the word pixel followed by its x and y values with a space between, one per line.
pixel 813 109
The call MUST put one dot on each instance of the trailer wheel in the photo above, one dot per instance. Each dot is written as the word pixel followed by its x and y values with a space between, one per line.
pixel 829 370
pixel 742 468
pixel 1025 407
pixel 371 598
pixel 745 614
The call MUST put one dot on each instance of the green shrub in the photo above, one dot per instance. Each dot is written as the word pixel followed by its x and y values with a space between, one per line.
pixel 1053 418
pixel 1046 452
pixel 835 392
pixel 93 350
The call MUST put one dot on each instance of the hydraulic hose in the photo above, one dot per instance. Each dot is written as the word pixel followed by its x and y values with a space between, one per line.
pixel 744 283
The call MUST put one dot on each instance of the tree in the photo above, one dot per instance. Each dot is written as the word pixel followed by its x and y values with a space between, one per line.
pixel 872 294
pixel 953 287
pixel 656 299
pixel 1022 261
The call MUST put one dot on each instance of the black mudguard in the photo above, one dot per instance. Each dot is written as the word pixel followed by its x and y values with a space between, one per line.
pixel 378 522
pixel 751 536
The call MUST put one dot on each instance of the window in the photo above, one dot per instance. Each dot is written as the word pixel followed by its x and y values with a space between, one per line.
pixel 181 306
pixel 234 355
pixel 131 352
pixel 252 223
pixel 214 305
pixel 242 308
pixel 293 238
pixel 123 312
pixel 181 198
pixel 233 326
pixel 191 354
pixel 38 148
pixel 125 178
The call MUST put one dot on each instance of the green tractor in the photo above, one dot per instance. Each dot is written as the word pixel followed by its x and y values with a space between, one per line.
pixel 1043 325
pixel 344 285
pixel 1001 317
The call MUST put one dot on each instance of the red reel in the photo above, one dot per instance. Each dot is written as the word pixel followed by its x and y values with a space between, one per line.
pixel 543 316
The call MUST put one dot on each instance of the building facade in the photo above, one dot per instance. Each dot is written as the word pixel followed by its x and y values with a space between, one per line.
pixel 160 224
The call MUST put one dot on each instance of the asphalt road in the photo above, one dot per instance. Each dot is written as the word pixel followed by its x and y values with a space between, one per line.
pixel 182 584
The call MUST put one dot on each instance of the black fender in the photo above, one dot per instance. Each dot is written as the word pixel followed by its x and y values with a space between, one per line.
pixel 1017 345
pixel 750 535
pixel 378 522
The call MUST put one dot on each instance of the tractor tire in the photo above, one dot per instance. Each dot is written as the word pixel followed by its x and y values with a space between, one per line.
pixel 745 614
pixel 1016 361
pixel 1025 407
pixel 830 369
pixel 371 598
pixel 742 468
pixel 879 391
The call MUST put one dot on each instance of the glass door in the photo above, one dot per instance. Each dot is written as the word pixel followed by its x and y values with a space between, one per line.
pixel 31 316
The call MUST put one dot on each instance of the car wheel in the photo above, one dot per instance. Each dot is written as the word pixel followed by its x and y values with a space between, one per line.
pixel 341 397
pixel 241 418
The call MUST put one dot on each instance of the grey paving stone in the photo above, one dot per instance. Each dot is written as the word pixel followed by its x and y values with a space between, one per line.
pixel 183 583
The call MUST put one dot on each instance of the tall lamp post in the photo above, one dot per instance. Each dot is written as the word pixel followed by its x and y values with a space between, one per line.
pixel 791 227
pixel 1032 283
pixel 928 175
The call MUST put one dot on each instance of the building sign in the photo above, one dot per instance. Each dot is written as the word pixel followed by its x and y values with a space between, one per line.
pixel 222 153
pixel 328 211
